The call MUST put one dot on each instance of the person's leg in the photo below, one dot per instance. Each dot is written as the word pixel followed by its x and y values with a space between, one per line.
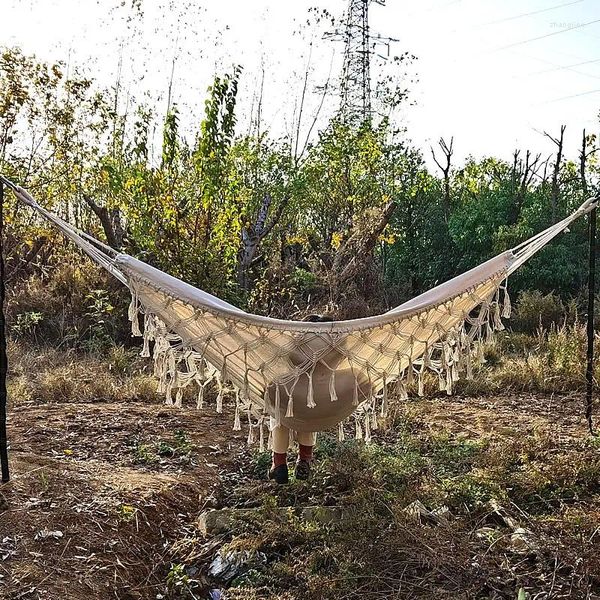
pixel 280 442
pixel 306 442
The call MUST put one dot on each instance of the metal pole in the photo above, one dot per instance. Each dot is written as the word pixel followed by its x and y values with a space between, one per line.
pixel 590 322
pixel 3 357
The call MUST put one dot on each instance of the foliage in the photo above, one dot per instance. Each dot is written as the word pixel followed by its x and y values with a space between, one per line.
pixel 355 222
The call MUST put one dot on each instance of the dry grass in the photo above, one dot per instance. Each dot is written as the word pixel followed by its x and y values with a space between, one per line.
pixel 551 361
pixel 47 375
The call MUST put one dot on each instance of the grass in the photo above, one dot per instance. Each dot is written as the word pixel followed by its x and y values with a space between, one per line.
pixel 547 484
pixel 48 375
pixel 379 551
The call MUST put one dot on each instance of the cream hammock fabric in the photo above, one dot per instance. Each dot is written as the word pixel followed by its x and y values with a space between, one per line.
pixel 309 376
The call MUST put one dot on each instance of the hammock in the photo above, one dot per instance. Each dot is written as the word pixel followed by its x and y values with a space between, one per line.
pixel 309 376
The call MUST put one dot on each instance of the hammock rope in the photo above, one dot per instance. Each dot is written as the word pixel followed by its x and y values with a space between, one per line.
pixel 310 376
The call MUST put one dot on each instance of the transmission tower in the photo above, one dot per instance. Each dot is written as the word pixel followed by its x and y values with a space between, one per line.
pixel 355 88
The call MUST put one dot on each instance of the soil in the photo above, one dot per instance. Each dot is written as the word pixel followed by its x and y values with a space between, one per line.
pixel 101 491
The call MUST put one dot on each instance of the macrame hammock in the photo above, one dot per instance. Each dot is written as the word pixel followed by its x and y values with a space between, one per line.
pixel 303 375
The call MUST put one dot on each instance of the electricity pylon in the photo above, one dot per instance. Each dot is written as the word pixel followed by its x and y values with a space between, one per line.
pixel 355 87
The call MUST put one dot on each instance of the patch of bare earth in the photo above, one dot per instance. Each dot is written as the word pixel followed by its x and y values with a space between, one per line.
pixel 101 491
pixel 506 416
pixel 90 515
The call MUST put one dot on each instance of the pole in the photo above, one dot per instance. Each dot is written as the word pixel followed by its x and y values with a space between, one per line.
pixel 3 357
pixel 590 321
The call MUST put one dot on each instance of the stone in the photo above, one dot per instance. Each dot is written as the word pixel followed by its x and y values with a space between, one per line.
pixel 417 510
pixel 214 522
pixel 229 565
pixel 226 520
pixel 487 534
pixel 523 541
pixel 323 515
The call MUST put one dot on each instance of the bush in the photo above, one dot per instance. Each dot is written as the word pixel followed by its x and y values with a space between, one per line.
pixel 534 310
pixel 71 305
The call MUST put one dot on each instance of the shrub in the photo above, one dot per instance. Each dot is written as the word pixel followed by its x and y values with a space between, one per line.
pixel 534 310
pixel 69 306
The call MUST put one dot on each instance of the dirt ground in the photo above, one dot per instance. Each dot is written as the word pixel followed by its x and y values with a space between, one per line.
pixel 100 491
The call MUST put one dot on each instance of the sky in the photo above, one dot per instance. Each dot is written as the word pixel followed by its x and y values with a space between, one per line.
pixel 494 75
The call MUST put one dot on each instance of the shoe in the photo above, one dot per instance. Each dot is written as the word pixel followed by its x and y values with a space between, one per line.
pixel 279 474
pixel 302 470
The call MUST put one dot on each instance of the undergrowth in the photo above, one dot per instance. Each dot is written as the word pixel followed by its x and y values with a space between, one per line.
pixel 379 549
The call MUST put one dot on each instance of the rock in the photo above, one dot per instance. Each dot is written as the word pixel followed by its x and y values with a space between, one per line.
pixel 418 511
pixel 226 520
pixel 487 534
pixel 231 564
pixel 442 514
pixel 323 515
pixel 213 522
pixel 524 541
pixel 44 534
pixel 500 516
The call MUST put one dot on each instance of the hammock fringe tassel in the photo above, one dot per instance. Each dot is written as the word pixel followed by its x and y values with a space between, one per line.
pixel 449 356
pixel 205 349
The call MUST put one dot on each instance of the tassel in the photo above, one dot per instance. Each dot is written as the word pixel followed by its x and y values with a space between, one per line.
pixel 171 362
pixel 277 405
pixel 270 440
pixel 145 353
pixel 420 384
pixel 384 403
pixel 355 396
pixel 237 426
pixel 448 384
pixel 289 413
pixel 220 399
pixel 469 364
pixel 454 372
pixel 310 400
pixel 250 439
pixel 261 438
pixel 507 308
pixel 480 352
pixel 162 383
pixel 246 390
pixel 374 423
pixel 179 397
pixel 332 393
pixel 168 396
pixel 441 382
pixel 358 434
pixel 367 428
pixel 426 356
pixel 341 434
pixel 132 314
pixel 498 325
pixel 402 393
pixel 200 400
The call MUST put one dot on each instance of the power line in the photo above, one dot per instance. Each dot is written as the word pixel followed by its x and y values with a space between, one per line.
pixel 561 68
pixel 566 67
pixel 529 14
pixel 547 35
pixel 588 93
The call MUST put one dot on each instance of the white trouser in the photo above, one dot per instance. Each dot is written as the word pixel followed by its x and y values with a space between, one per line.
pixel 282 437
